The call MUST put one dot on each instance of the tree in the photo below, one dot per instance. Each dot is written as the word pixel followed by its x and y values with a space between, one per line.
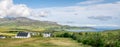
pixel 66 35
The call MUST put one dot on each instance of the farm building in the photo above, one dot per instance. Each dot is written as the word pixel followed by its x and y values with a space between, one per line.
pixel 23 35
pixel 47 34
pixel 2 37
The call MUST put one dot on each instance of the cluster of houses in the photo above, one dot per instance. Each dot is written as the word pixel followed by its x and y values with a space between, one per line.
pixel 28 35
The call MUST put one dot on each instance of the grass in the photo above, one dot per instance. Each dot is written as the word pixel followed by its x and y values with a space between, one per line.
pixel 21 28
pixel 40 42
pixel 7 34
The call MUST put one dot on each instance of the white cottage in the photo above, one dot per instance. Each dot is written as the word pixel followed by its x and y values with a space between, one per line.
pixel 46 34
pixel 23 35
pixel 2 37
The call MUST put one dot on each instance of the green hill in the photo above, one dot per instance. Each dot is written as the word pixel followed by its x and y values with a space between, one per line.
pixel 23 23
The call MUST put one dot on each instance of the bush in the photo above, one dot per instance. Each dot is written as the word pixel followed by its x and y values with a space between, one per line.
pixel 89 39
pixel 96 39
pixel 66 35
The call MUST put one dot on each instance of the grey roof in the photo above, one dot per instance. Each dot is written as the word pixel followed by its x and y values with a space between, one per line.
pixel 22 34
pixel 47 33
pixel 2 36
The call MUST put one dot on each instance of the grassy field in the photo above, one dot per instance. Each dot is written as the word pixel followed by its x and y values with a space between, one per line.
pixel 40 42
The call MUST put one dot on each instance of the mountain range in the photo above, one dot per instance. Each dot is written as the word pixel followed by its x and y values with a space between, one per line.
pixel 10 23
pixel 23 23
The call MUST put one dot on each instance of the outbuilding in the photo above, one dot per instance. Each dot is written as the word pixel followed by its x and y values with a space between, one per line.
pixel 47 34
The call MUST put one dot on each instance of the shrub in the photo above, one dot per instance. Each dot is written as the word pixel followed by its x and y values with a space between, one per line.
pixel 66 35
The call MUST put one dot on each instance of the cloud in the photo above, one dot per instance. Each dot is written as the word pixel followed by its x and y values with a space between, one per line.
pixel 102 18
pixel 39 13
pixel 90 15
pixel 88 2
pixel 7 8
pixel 99 14
pixel 96 25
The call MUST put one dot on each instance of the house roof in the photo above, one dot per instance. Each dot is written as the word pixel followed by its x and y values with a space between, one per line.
pixel 22 34
pixel 47 33
pixel 1 36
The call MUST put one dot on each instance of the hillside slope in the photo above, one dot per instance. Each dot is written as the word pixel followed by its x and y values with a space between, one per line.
pixel 22 21
pixel 25 23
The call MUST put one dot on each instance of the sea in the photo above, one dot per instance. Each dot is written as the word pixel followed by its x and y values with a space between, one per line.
pixel 96 29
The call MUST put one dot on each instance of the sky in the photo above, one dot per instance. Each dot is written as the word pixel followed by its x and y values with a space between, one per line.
pixel 46 3
pixel 55 3
pixel 67 12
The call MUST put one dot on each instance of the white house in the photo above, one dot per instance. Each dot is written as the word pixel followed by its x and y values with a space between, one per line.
pixel 46 34
pixel 23 35
pixel 2 37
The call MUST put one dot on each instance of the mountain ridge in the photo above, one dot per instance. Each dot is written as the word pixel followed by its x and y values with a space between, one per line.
pixel 25 21
pixel 18 23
